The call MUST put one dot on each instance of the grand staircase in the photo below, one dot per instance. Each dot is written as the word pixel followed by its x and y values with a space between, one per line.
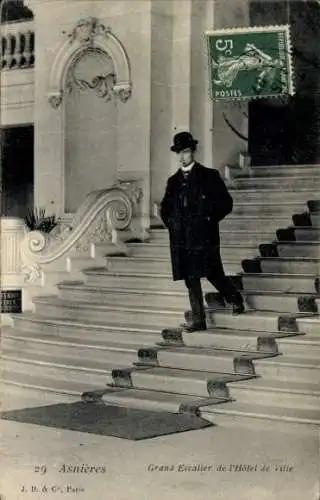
pixel 114 337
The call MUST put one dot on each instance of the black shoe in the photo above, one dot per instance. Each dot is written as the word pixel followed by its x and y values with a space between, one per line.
pixel 238 308
pixel 194 326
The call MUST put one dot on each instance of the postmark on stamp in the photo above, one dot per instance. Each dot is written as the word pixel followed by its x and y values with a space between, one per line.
pixel 250 63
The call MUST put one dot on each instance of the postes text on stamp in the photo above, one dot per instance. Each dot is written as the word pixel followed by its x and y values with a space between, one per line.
pixel 250 63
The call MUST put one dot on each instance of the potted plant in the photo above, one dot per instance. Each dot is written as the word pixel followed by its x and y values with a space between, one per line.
pixel 37 220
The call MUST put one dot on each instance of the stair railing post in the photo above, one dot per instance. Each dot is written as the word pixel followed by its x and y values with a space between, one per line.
pixel 28 48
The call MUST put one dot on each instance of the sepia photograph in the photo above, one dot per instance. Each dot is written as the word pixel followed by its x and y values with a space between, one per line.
pixel 160 249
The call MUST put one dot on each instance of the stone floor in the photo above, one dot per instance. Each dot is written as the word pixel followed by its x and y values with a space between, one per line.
pixel 130 467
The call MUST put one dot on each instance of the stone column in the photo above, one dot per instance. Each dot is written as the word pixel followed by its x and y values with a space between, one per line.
pixel 181 69
pixel 11 230
pixel 226 144
pixel 208 104
pixel 161 97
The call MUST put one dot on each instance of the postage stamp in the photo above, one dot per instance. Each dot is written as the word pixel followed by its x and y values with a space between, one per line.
pixel 250 63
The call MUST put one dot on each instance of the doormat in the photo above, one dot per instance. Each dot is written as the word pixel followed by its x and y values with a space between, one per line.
pixel 116 421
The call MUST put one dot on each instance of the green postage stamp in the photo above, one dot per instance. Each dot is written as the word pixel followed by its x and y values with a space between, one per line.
pixel 250 63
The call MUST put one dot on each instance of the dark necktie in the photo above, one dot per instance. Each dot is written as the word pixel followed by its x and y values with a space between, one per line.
pixel 185 175
pixel 184 197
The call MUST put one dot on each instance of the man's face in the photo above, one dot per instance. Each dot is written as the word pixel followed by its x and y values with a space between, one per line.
pixel 185 157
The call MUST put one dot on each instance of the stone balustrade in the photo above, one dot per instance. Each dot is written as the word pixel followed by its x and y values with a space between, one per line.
pixel 17 45
pixel 101 218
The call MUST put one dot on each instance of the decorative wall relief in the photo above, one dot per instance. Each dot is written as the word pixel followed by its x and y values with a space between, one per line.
pixel 102 85
pixel 91 38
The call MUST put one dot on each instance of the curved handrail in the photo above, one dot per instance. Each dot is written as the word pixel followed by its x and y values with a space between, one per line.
pixel 116 204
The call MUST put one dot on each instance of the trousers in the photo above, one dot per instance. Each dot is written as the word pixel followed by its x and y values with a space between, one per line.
pixel 221 282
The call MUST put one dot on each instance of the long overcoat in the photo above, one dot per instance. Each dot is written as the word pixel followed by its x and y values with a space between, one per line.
pixel 191 210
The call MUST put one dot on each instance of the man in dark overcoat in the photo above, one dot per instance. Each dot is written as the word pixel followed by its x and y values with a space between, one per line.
pixel 195 201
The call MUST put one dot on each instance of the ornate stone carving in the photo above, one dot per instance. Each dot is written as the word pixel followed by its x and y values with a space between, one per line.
pixel 132 189
pixel 91 37
pixel 56 99
pixel 102 215
pixel 123 92
pixel 101 84
pixel 87 29
pixel 97 233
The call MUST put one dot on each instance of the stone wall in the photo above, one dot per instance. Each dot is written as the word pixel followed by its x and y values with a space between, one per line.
pixel 130 23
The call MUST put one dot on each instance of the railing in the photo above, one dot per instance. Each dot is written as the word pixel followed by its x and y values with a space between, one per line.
pixel 100 218
pixel 17 45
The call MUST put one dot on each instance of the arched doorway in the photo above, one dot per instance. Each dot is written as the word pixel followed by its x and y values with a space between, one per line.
pixel 16 170
pixel 90 128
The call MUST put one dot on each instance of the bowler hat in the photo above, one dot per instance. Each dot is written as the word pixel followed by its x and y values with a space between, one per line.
pixel 183 140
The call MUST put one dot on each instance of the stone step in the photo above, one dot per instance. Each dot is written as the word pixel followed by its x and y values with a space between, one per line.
pixel 133 296
pixel 274 392
pixel 228 236
pixel 294 344
pixel 262 300
pixel 145 316
pixel 284 170
pixel 257 321
pixel 139 281
pixel 256 222
pixel 306 346
pixel 294 283
pixel 44 365
pixel 78 262
pixel 208 359
pixel 242 237
pixel 155 400
pixel 225 338
pixel 307 233
pixel 232 414
pixel 268 208
pixel 271 195
pixel 191 382
pixel 309 325
pixel 156 265
pixel 72 264
pixel 305 181
pixel 289 368
pixel 31 324
pixel 274 301
pixel 315 219
pixel 299 249
pixel 40 384
pixel 94 350
pixel 282 302
pixel 290 265
pixel 237 250
pixel 157 317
